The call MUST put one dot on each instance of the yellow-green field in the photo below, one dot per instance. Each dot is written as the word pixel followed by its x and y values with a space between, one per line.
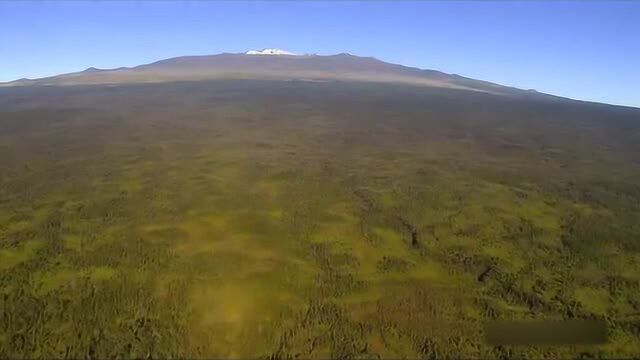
pixel 256 219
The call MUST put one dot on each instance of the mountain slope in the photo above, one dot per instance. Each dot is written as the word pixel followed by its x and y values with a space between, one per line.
pixel 276 67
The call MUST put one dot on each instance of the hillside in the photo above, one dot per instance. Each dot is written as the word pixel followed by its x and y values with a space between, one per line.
pixel 340 67
pixel 203 207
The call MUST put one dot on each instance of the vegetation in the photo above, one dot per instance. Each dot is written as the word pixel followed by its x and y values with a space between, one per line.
pixel 311 220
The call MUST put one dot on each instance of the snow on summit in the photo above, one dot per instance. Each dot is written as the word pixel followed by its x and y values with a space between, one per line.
pixel 268 52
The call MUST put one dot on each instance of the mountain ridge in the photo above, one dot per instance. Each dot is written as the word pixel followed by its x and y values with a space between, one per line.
pixel 278 65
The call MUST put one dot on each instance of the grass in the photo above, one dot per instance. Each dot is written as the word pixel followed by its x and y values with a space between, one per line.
pixel 310 220
pixel 12 257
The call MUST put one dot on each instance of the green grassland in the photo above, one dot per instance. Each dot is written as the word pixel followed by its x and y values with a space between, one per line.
pixel 266 219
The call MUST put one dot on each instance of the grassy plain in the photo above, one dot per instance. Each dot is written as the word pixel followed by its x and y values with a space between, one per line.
pixel 273 219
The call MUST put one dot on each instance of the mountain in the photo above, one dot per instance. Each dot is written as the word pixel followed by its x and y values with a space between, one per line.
pixel 387 218
pixel 280 65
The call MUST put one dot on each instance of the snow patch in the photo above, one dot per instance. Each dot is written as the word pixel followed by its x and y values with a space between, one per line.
pixel 268 52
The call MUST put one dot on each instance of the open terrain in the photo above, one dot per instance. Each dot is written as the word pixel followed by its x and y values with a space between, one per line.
pixel 271 218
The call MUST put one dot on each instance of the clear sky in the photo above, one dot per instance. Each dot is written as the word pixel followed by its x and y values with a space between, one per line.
pixel 583 50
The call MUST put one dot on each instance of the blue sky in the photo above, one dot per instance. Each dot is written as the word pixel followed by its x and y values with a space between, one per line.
pixel 583 50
